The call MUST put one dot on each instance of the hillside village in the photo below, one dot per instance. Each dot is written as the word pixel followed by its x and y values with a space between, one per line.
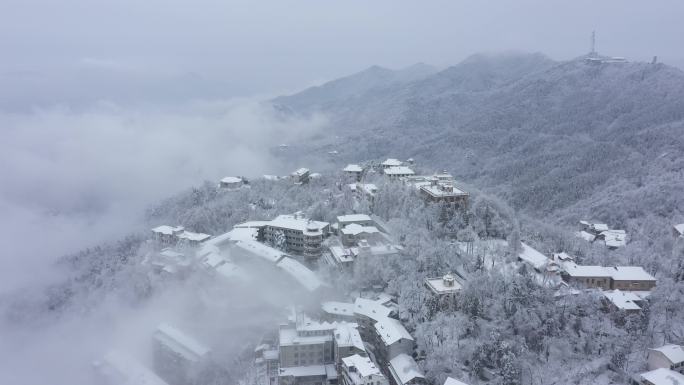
pixel 351 326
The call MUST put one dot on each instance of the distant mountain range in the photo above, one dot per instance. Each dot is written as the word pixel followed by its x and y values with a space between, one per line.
pixel 565 139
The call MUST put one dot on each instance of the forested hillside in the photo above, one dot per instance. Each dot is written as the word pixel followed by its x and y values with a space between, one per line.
pixel 563 140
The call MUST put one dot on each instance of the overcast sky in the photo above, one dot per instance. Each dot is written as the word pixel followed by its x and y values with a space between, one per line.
pixel 276 46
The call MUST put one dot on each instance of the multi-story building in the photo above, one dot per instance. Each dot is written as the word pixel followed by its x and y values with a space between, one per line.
pixel 267 364
pixel 444 191
pixel 369 311
pixel 391 339
pixel 296 234
pixel 178 358
pixel 167 235
pixel 360 370
pixel 306 352
pixel 659 376
pixel 353 173
pixel 347 341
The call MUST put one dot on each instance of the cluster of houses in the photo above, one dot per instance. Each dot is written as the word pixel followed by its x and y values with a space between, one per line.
pixel 593 232
pixel 623 287
pixel 349 343
pixel 437 188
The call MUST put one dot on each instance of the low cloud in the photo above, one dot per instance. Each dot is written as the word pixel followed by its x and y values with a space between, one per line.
pixel 72 179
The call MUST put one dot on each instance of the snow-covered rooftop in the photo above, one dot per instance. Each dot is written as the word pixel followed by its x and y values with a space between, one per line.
pixel 623 300
pixel 296 222
pixel 442 190
pixel 289 336
pixel 391 162
pixel 614 238
pixel 353 168
pixel 300 273
pixel 356 229
pixel 180 343
pixel 258 249
pixel 404 368
pixel 351 218
pixel 674 353
pixel 167 230
pixel 533 257
pixel 364 366
pixel 347 334
pixel 303 371
pixel 438 284
pixel 342 255
pixel 372 309
pixel 589 237
pixel 301 172
pixel 391 330
pixel 197 237
pixel 679 228
pixel 399 170
pixel 631 273
pixel 231 179
pixel 338 308
pixel 231 271
pixel 453 381
pixel 662 376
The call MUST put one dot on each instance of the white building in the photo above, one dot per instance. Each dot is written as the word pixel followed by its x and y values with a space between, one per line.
pixel 339 310
pixel 532 257
pixel 443 286
pixel 397 172
pixel 297 234
pixel 668 357
pixel 404 370
pixel 306 352
pixel 359 370
pixel 353 172
pixel 301 274
pixel 231 182
pixel 440 189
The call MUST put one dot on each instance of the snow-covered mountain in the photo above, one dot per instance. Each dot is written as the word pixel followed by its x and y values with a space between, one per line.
pixel 570 139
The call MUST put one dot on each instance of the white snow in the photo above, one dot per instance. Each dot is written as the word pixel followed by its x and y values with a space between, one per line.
pixel 674 353
pixel 119 368
pixel 364 366
pixel 404 368
pixel 167 230
pixel 391 330
pixel 623 300
pixel 453 381
pixel 533 257
pixel 373 309
pixel 399 170
pixel 300 273
pixel 662 376
pixel 353 168
pixel 351 218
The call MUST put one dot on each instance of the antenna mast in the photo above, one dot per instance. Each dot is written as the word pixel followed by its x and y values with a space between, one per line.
pixel 593 43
